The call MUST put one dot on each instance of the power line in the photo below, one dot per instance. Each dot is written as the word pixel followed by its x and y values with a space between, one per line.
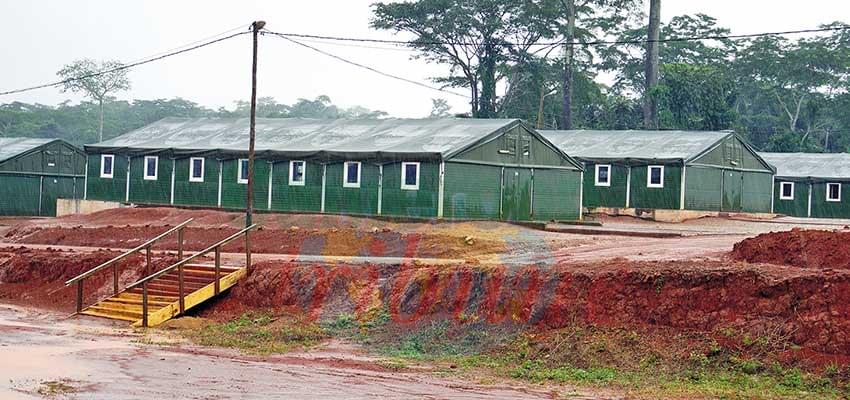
pixel 590 43
pixel 356 64
pixel 125 66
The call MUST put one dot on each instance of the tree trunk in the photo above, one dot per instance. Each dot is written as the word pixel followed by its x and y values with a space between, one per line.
pixel 539 124
pixel 567 77
pixel 487 99
pixel 650 107
pixel 100 128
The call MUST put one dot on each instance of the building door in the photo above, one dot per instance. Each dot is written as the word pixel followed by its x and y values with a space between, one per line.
pixel 733 189
pixel 516 195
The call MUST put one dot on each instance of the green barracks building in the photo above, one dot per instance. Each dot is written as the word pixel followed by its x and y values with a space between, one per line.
pixel 669 170
pixel 419 168
pixel 811 185
pixel 35 172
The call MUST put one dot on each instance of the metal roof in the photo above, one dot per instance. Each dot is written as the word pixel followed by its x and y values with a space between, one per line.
pixel 810 165
pixel 11 147
pixel 383 138
pixel 639 145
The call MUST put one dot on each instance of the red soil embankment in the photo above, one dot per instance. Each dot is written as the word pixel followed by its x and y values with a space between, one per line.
pixel 332 241
pixel 811 308
pixel 37 277
pixel 800 248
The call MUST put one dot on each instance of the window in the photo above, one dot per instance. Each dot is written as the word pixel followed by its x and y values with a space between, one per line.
pixel 509 143
pixel 833 192
pixel 151 167
pixel 526 146
pixel 196 169
pixel 297 170
pixel 107 165
pixel 242 173
pixel 603 175
pixel 786 191
pixel 351 174
pixel 410 176
pixel 655 176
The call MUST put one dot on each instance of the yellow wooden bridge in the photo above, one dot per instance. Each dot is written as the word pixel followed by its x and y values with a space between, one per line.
pixel 169 292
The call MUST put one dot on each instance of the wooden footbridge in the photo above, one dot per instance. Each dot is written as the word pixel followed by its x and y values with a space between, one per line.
pixel 169 292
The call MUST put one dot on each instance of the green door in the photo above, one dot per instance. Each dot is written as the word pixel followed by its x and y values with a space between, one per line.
pixel 516 196
pixel 51 187
pixel 733 188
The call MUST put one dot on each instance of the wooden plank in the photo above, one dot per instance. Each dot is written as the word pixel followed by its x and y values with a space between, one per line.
pixel 193 299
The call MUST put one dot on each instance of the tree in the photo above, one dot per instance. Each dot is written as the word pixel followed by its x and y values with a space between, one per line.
pixel 695 97
pixel 95 81
pixel 440 108
pixel 650 107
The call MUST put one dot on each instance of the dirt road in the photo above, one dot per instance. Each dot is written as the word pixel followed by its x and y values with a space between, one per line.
pixel 89 359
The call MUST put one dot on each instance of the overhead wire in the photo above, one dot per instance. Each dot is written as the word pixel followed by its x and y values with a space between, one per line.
pixel 359 65
pixel 124 66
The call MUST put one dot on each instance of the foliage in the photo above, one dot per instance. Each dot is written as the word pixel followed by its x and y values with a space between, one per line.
pixel 79 123
pixel 695 98
pixel 95 81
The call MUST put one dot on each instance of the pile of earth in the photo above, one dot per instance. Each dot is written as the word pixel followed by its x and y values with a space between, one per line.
pixel 799 248
pixel 807 307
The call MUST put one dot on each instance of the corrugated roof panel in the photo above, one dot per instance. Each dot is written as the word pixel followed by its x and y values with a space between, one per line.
pixel 12 147
pixel 810 165
pixel 408 136
pixel 645 145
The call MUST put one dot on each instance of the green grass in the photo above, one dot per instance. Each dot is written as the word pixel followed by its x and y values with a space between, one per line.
pixel 261 333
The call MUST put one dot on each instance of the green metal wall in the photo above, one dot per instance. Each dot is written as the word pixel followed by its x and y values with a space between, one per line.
pixel 758 188
pixel 52 158
pixel 472 191
pixel 307 198
pixel 556 195
pixel 33 195
pixel 502 151
pixel 829 209
pixel 234 194
pixel 667 197
pixel 799 207
pixel 420 203
pixel 342 200
pixel 150 191
pixel 702 188
pixel 732 153
pixel 196 193
pixel 107 189
pixel 605 196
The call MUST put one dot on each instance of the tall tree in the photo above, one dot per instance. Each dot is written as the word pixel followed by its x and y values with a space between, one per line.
pixel 650 106
pixel 96 81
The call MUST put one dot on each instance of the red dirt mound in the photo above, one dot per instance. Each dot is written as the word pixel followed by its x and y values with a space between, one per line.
pixel 800 248
pixel 37 277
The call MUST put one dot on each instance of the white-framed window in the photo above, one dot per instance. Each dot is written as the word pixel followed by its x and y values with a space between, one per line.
pixel 107 165
pixel 297 173
pixel 351 174
pixel 410 176
pixel 655 176
pixel 196 169
pixel 151 167
pixel 603 175
pixel 833 192
pixel 242 171
pixel 786 191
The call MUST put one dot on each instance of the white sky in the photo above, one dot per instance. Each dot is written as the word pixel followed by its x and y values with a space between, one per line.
pixel 40 36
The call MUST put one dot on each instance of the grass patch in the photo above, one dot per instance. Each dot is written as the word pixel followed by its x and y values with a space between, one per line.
pixel 261 333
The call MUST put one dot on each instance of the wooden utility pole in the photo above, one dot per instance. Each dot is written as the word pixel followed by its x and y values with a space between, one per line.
pixel 249 205
pixel 650 106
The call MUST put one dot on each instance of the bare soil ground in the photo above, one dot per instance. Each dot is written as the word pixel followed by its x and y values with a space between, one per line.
pixel 786 287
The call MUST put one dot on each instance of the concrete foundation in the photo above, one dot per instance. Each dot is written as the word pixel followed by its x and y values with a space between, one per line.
pixel 674 216
pixel 77 206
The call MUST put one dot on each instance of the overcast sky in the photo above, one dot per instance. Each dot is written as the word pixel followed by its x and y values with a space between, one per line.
pixel 40 36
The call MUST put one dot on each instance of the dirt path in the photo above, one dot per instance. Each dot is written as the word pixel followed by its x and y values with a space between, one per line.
pixel 99 361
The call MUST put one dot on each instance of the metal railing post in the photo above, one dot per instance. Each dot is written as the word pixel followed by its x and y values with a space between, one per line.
pixel 80 296
pixel 145 304
pixel 217 284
